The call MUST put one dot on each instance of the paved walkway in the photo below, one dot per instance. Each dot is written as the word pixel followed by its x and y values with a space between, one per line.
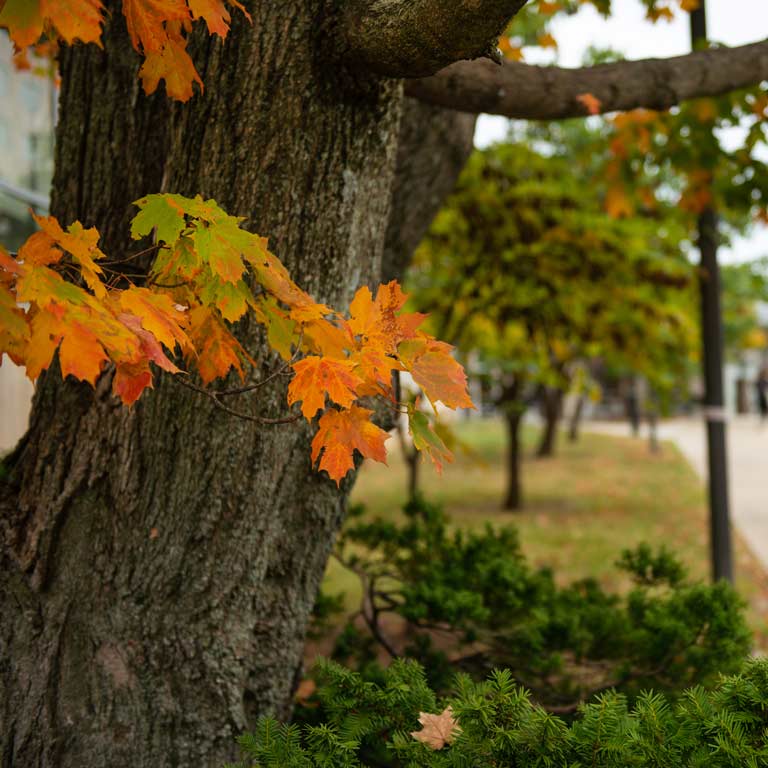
pixel 747 465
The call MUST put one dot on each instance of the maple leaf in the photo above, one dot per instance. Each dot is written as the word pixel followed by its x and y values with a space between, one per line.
pixel 79 242
pixel 80 353
pixel 158 314
pixel 24 20
pixel 173 64
pixel 163 213
pixel 281 330
pixel 131 379
pixel 437 730
pixel 150 348
pixel 379 321
pixel 325 338
pixel 317 377
pixel 218 351
pixel 14 327
pixel 145 21
pixel 436 371
pixel 75 19
pixel 340 433
pixel 216 16
pixel 426 439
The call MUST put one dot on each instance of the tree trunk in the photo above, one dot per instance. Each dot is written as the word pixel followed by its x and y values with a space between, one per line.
pixel 160 562
pixel 512 407
pixel 412 459
pixel 575 421
pixel 552 406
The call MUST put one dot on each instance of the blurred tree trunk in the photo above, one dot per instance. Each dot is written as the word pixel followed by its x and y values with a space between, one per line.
pixel 552 409
pixel 512 406
pixel 574 425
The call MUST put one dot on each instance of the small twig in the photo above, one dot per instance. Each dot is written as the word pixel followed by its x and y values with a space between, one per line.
pixel 131 256
pixel 272 376
pixel 247 416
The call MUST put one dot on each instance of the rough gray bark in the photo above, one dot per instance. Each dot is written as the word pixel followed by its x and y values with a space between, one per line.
pixel 416 38
pixel 526 91
pixel 433 148
pixel 159 563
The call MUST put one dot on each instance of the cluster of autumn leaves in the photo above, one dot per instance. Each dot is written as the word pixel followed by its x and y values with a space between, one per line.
pixel 208 272
pixel 157 28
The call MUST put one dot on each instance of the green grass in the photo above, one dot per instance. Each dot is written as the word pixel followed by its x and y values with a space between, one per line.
pixel 581 508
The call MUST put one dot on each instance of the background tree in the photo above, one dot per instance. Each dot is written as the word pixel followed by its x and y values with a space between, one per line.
pixel 524 268
pixel 154 595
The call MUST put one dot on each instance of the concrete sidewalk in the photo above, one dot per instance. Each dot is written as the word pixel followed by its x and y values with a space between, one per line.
pixel 747 466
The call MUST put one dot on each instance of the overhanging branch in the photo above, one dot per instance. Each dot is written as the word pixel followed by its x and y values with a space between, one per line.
pixel 550 93
pixel 416 38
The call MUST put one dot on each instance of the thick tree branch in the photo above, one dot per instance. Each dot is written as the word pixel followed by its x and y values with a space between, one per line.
pixel 416 38
pixel 551 93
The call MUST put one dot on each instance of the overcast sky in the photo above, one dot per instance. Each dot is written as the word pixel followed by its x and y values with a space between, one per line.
pixel 733 22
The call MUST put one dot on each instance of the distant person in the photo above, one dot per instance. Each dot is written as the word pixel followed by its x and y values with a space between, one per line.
pixel 762 392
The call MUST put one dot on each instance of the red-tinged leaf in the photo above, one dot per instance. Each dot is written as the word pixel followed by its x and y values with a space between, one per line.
pixel 75 19
pixel 150 347
pixel 436 371
pixel 216 16
pixel 158 314
pixel 340 433
pixel 217 349
pixel 80 354
pixel 173 64
pixel 426 439
pixel 145 19
pixel 131 379
pixel 317 376
pixel 24 20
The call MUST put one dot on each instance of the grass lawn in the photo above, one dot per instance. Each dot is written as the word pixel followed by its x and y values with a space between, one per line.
pixel 581 508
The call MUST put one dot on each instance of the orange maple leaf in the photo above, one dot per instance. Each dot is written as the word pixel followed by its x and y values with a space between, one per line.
pixel 317 376
pixel 437 730
pixel 173 64
pixel 379 322
pixel 436 371
pixel 218 351
pixel 340 433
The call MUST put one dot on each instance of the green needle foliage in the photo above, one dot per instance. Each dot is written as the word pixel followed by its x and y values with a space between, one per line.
pixel 469 601
pixel 371 724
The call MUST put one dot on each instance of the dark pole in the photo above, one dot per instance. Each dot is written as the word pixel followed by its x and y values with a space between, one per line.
pixel 712 344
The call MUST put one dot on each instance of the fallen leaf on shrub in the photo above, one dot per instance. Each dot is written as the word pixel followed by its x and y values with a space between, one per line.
pixel 437 730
